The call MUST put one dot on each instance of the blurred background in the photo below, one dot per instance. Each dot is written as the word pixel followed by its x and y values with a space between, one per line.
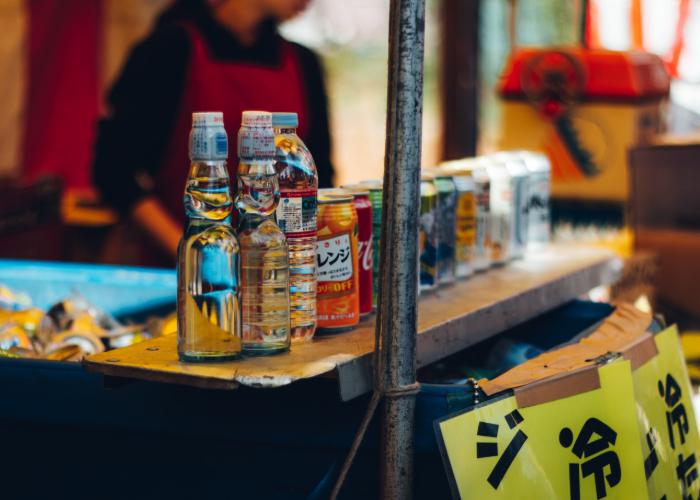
pixel 59 58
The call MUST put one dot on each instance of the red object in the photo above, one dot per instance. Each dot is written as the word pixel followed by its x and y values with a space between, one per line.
pixel 230 87
pixel 63 89
pixel 364 249
pixel 679 38
pixel 552 109
pixel 605 75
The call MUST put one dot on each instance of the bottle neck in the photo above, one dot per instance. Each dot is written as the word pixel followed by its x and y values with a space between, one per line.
pixel 196 223
pixel 204 167
pixel 251 220
pixel 207 195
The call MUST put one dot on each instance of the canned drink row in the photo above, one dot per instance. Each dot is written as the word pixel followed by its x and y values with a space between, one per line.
pixel 481 212
pixel 474 213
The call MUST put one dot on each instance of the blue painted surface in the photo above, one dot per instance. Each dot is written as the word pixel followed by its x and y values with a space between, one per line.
pixel 150 440
pixel 120 291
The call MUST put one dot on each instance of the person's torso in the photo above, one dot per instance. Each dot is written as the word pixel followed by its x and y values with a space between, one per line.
pixel 230 87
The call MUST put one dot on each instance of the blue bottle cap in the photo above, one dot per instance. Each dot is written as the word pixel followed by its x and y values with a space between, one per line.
pixel 289 120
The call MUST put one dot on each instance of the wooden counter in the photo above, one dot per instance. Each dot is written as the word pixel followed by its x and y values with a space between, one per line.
pixel 449 320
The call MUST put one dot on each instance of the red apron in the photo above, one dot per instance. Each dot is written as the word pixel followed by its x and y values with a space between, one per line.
pixel 231 87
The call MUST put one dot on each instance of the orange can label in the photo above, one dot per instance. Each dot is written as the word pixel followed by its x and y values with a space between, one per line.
pixel 338 299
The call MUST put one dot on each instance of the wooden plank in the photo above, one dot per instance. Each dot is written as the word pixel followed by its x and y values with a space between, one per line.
pixel 157 360
pixel 449 320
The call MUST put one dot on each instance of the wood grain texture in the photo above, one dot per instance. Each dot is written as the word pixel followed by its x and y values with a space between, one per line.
pixel 449 320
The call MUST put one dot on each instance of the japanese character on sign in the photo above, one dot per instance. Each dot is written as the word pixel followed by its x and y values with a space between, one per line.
pixel 490 449
pixel 652 460
pixel 592 442
pixel 687 471
pixel 676 416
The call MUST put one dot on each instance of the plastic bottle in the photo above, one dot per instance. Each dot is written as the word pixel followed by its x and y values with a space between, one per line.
pixel 208 269
pixel 264 251
pixel 296 217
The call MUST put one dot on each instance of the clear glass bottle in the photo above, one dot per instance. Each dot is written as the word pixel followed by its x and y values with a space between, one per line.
pixel 208 268
pixel 296 216
pixel 264 251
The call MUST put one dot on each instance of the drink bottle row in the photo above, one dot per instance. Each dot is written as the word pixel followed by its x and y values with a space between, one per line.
pixel 251 288
pixel 300 258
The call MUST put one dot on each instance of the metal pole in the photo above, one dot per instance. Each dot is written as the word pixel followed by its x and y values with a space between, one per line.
pixel 396 320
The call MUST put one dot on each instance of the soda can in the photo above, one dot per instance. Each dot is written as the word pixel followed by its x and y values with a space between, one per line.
pixel 465 221
pixel 501 210
pixel 365 248
pixel 427 234
pixel 482 193
pixel 375 197
pixel 338 298
pixel 446 222
pixel 538 225
pixel 519 178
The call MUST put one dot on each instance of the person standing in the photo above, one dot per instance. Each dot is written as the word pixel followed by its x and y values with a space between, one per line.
pixel 203 55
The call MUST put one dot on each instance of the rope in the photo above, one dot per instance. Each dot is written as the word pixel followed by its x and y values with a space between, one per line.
pixel 377 396
pixel 403 390
pixel 373 403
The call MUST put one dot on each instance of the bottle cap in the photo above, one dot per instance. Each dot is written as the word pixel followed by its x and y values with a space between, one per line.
pixel 208 140
pixel 256 139
pixel 208 119
pixel 256 119
pixel 289 120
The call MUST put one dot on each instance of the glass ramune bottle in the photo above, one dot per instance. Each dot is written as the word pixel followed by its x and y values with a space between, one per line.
pixel 264 252
pixel 208 308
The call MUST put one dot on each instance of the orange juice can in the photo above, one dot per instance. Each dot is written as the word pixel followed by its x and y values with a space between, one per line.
pixel 337 296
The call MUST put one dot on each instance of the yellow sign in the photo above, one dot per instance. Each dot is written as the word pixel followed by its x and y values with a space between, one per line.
pixel 579 447
pixel 667 424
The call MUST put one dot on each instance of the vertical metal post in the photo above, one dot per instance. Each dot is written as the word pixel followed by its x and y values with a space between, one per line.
pixel 396 321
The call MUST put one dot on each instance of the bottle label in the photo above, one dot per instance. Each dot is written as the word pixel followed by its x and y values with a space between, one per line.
pixel 296 213
pixel 255 143
pixel 466 226
pixel 208 143
pixel 334 258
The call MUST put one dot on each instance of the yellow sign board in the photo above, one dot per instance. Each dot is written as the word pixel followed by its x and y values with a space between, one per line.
pixel 667 424
pixel 578 447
